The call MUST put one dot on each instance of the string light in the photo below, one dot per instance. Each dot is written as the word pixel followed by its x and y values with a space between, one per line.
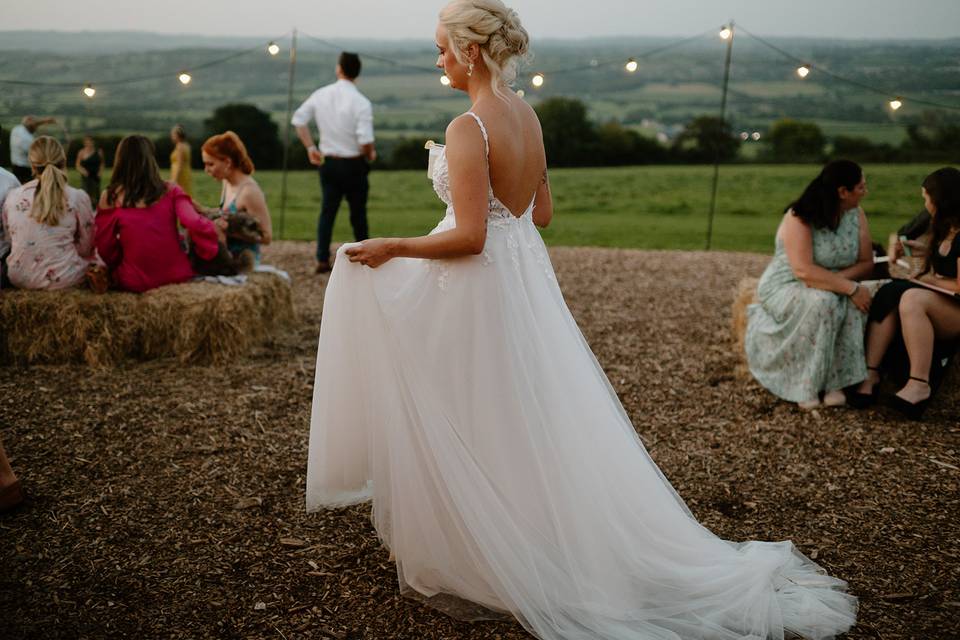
pixel 726 32
pixel 89 91
pixel 803 70
pixel 444 80
pixel 273 48
pixel 184 78
pixel 537 80
pixel 521 92
pixel 896 103
pixel 755 136
pixel 744 136
pixel 631 65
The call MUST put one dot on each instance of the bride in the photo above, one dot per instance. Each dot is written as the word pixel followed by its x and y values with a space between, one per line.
pixel 454 389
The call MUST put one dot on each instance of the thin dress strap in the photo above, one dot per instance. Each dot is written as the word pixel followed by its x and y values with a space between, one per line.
pixel 483 130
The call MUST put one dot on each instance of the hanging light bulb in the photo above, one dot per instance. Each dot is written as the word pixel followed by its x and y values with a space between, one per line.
pixel 896 103
pixel 273 48
pixel 521 92
pixel 444 80
pixel 89 91
pixel 184 78
pixel 631 65
pixel 803 70
pixel 537 80
pixel 726 32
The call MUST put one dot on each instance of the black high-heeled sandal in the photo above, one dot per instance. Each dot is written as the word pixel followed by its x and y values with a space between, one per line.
pixel 859 400
pixel 912 410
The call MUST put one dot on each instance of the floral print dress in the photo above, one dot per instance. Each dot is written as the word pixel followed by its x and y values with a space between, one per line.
pixel 800 340
pixel 44 256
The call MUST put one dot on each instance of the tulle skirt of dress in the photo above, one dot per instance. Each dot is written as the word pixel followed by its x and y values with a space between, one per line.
pixel 462 398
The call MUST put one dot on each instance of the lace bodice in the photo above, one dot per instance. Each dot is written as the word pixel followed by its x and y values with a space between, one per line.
pixel 497 212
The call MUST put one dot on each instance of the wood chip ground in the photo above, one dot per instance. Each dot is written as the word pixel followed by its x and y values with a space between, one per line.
pixel 166 501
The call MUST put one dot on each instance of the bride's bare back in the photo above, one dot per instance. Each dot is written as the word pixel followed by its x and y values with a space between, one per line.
pixel 517 159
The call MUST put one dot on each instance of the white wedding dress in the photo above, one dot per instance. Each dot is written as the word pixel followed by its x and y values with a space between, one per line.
pixel 462 398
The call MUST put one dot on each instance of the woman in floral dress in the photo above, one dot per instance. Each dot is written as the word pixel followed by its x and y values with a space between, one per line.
pixel 805 335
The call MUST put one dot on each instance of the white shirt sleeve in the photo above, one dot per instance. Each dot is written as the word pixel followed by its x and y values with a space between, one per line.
pixel 20 141
pixel 365 124
pixel 304 113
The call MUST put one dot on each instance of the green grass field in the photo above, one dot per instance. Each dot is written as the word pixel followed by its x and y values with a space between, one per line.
pixel 655 207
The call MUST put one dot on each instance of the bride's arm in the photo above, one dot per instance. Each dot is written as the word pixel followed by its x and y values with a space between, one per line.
pixel 469 186
pixel 543 202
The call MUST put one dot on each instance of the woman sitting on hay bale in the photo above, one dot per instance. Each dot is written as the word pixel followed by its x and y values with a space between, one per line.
pixel 805 335
pixel 49 225
pixel 137 223
pixel 242 214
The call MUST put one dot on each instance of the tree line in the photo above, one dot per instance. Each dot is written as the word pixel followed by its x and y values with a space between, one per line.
pixel 572 139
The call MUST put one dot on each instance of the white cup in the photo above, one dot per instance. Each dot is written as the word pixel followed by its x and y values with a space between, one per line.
pixel 433 153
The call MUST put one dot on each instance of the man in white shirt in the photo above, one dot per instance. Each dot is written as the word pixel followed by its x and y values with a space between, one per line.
pixel 8 182
pixel 21 137
pixel 344 118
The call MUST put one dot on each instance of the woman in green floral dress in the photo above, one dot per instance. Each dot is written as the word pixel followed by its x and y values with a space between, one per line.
pixel 805 334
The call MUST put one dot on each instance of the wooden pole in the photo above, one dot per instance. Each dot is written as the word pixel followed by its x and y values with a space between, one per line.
pixel 723 121
pixel 286 136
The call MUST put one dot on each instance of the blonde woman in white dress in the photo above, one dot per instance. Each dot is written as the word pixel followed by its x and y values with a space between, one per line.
pixel 454 389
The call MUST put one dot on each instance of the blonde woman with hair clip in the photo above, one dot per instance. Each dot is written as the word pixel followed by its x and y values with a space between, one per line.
pixel 454 389
pixel 50 226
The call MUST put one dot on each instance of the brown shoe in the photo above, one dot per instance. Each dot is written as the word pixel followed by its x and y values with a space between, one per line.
pixel 323 267
pixel 11 497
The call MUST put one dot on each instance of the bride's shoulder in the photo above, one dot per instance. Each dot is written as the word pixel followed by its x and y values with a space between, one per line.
pixel 463 129
pixel 467 119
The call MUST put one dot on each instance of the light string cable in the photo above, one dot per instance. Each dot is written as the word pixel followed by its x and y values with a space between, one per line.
pixel 856 83
pixel 385 60
pixel 156 76
pixel 583 67
pixel 642 55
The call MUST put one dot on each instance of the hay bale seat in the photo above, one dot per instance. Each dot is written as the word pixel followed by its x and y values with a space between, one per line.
pixel 196 322
pixel 746 294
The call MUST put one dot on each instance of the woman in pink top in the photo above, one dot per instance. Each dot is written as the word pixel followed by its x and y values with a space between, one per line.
pixel 137 223
pixel 49 224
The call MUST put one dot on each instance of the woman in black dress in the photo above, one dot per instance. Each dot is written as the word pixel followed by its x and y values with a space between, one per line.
pixel 928 321
pixel 89 164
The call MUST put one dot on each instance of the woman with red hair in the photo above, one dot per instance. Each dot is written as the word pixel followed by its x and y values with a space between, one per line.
pixel 225 159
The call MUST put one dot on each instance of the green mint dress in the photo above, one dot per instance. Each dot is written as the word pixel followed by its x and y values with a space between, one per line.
pixel 801 341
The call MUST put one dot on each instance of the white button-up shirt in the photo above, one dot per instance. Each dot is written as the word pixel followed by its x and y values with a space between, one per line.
pixel 343 115
pixel 20 141
pixel 8 182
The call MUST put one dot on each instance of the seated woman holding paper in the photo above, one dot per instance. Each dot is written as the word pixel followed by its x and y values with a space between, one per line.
pixel 912 343
pixel 805 335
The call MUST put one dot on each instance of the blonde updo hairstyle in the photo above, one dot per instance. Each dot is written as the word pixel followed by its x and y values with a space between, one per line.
pixel 49 164
pixel 496 29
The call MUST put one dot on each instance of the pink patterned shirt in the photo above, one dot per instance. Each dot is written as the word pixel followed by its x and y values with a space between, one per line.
pixel 48 257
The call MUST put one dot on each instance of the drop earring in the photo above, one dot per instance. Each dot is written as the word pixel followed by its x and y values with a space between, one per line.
pixel 470 69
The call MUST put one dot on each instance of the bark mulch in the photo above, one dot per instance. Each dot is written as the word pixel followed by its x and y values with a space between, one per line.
pixel 167 500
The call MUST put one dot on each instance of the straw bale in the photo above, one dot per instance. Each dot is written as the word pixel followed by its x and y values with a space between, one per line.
pixel 196 322
pixel 745 295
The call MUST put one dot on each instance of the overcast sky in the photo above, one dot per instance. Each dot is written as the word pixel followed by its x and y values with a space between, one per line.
pixel 543 18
